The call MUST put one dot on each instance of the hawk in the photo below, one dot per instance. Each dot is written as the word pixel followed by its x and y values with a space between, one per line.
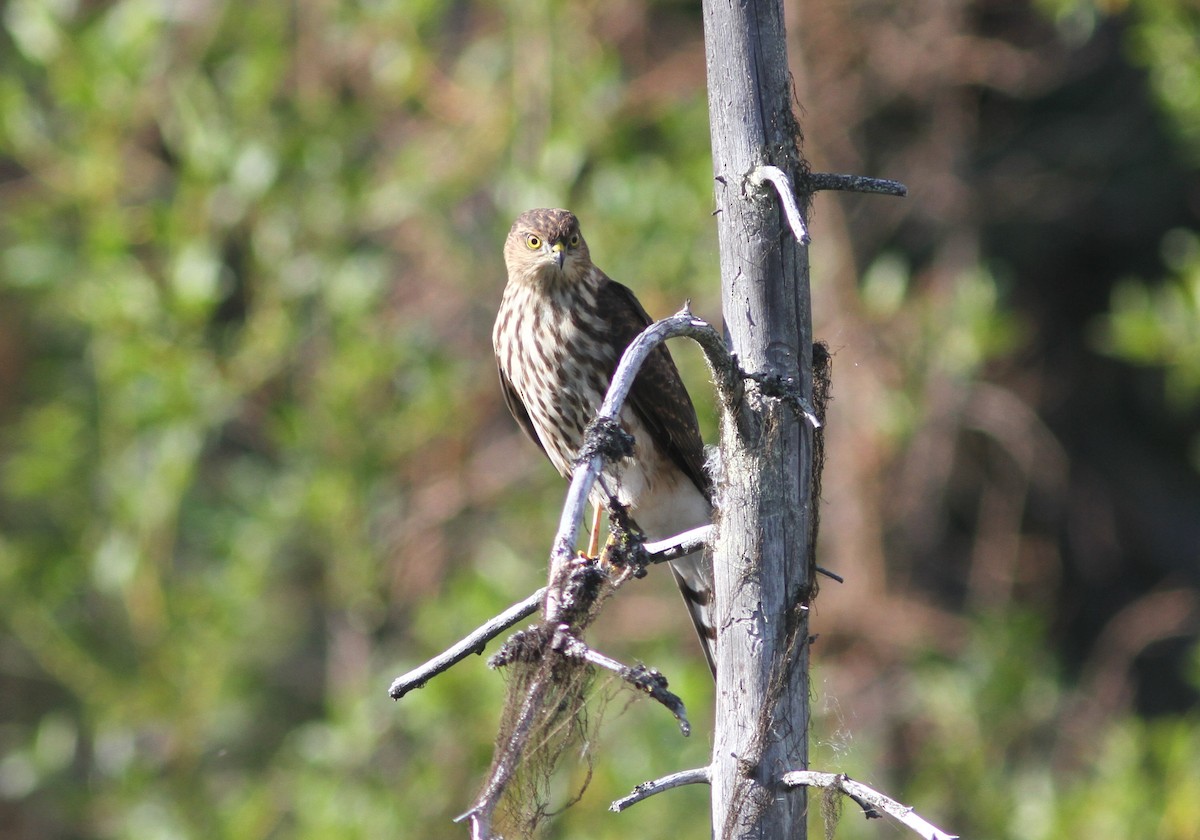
pixel 559 334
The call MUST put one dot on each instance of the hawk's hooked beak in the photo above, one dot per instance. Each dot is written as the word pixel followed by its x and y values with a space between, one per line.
pixel 560 253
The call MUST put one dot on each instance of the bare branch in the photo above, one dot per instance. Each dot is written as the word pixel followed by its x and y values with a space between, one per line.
pixel 817 181
pixel 682 323
pixel 646 680
pixel 677 546
pixel 873 803
pixel 821 570
pixel 696 776
pixel 787 197
pixel 473 643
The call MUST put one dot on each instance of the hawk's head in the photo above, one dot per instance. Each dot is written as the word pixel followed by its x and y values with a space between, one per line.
pixel 546 245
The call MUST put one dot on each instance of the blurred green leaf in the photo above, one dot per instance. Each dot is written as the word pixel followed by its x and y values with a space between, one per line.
pixel 1160 325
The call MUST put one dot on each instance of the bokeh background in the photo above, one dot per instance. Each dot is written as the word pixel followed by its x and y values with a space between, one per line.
pixel 254 462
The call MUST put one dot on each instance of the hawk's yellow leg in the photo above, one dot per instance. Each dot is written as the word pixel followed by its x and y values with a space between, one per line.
pixel 594 542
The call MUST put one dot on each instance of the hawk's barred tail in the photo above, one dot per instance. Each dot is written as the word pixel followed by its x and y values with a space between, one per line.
pixel 694 575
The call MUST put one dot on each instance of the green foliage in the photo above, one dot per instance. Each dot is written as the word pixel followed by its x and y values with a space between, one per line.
pixel 1163 40
pixel 1160 325
pixel 247 264
pixel 253 461
pixel 995 744
pixel 1156 324
pixel 937 334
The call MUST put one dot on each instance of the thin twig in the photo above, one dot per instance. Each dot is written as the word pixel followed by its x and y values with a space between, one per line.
pixel 472 643
pixel 646 680
pixel 680 545
pixel 817 181
pixel 787 197
pixel 821 570
pixel 870 800
pixel 696 776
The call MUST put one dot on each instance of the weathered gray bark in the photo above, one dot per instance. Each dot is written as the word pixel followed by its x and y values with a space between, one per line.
pixel 763 571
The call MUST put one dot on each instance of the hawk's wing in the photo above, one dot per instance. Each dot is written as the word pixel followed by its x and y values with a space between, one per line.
pixel 658 395
pixel 513 401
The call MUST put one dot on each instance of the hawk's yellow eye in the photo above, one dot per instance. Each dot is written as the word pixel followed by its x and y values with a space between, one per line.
pixel 574 240
pixel 533 241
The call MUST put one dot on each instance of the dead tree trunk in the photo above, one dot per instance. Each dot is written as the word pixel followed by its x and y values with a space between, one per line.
pixel 763 567
pixel 764 535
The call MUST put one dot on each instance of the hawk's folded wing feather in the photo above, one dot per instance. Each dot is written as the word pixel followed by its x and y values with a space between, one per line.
pixel 658 395
pixel 513 400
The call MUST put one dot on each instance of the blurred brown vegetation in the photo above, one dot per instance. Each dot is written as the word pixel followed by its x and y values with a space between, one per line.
pixel 254 463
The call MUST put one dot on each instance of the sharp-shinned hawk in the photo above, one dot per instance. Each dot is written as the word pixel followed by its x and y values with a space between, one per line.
pixel 561 330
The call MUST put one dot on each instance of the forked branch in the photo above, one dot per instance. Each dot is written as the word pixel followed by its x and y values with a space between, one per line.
pixel 474 642
pixel 648 681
